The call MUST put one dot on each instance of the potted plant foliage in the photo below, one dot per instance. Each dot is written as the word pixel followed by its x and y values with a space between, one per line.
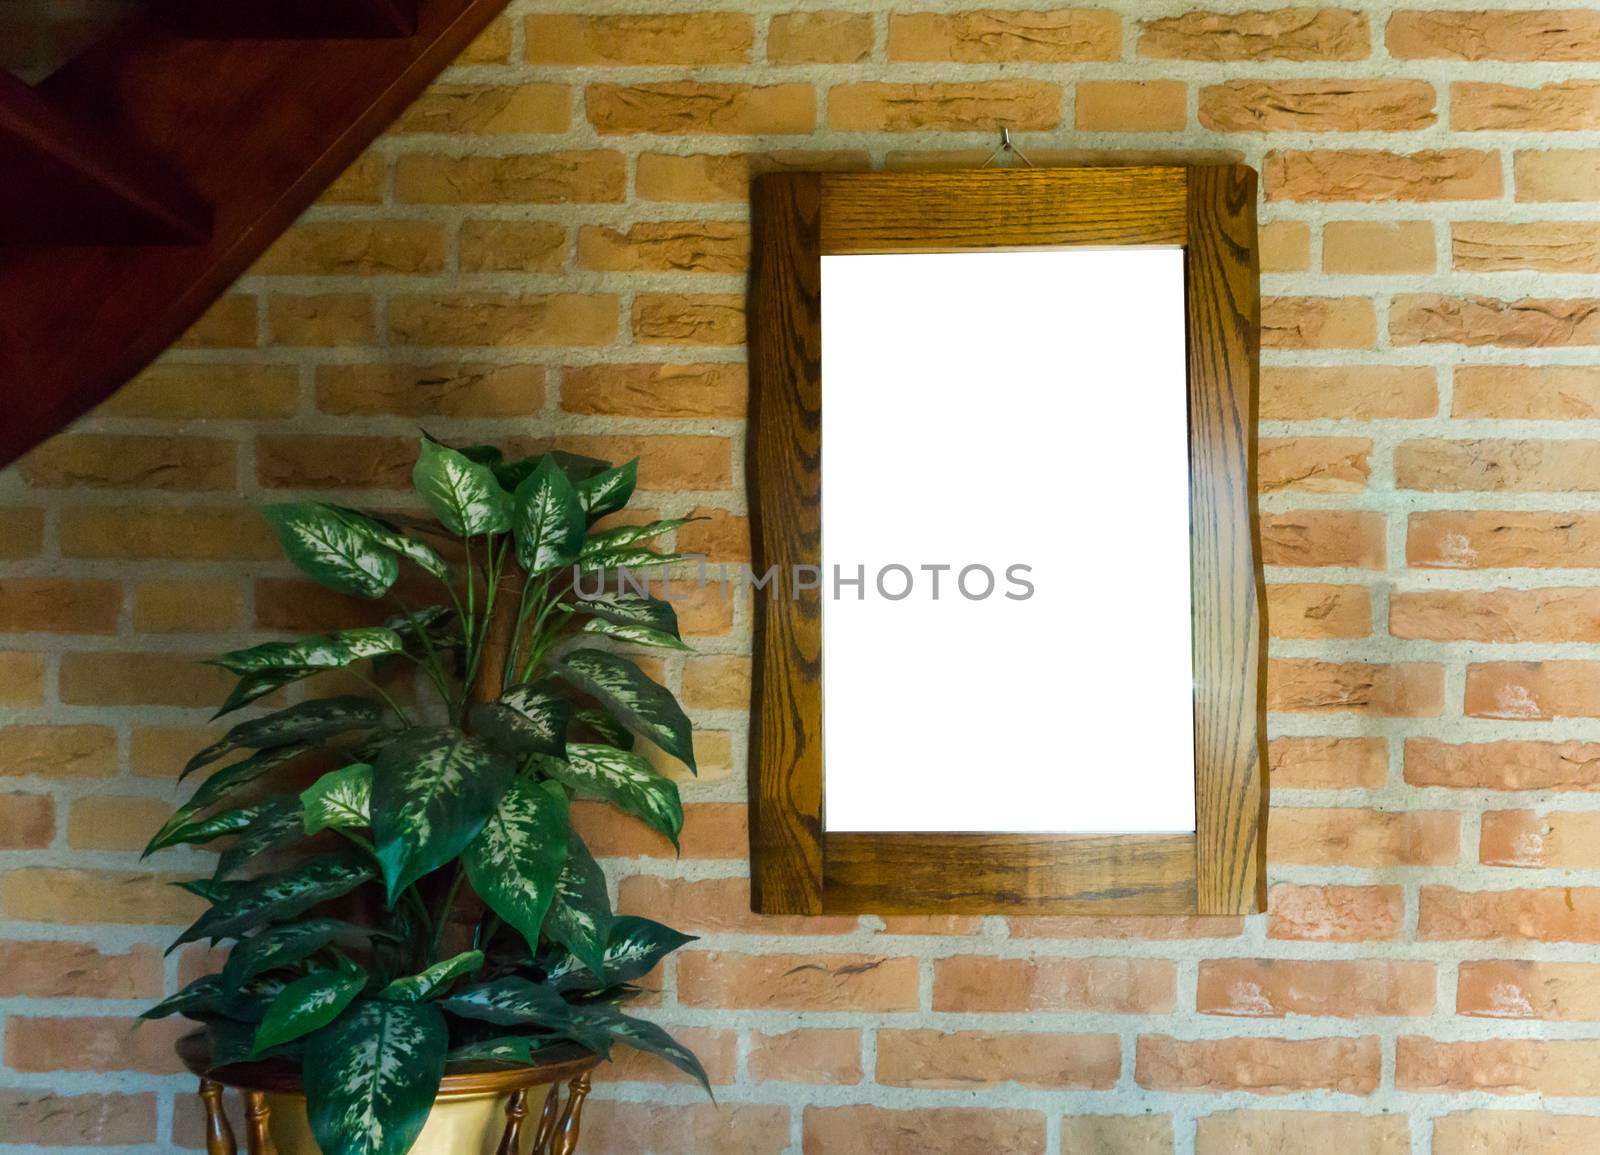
pixel 425 902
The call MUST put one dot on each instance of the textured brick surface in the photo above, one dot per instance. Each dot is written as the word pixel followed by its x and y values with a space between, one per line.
pixel 551 246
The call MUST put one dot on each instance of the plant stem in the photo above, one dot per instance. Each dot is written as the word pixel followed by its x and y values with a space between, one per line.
pixel 390 702
pixel 443 921
pixel 492 576
pixel 435 670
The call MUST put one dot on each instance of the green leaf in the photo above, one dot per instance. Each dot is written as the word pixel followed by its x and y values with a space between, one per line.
pixel 633 948
pixel 321 651
pixel 580 917
pixel 308 1004
pixel 635 635
pixel 608 491
pixel 388 535
pixel 628 557
pixel 282 946
pixel 243 906
pixel 577 467
pixel 644 1036
pixel 201 997
pixel 547 521
pixel 512 1001
pixel 432 791
pixel 339 800
pixel 303 722
pixel 255 686
pixel 429 982
pixel 641 704
pixel 222 784
pixel 437 622
pixel 372 1076
pixel 611 731
pixel 530 718
pixel 625 780
pixel 513 864
pixel 462 494
pixel 206 830
pixel 322 543
pixel 612 540
pixel 629 610
pixel 277 821
pixel 523 1050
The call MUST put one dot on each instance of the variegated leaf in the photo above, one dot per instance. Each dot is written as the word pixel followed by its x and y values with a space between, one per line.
pixel 511 1001
pixel 339 800
pixel 255 686
pixel 514 861
pixel 278 821
pixel 630 610
pixel 200 832
pixel 642 705
pixel 323 545
pixel 243 906
pixel 627 557
pixel 427 983
pixel 626 780
pixel 528 719
pixel 388 535
pixel 372 1076
pixel 281 946
pixel 522 1050
pixel 608 491
pixel 322 651
pixel 633 948
pixel 197 1000
pixel 580 917
pixel 462 494
pixel 432 790
pixel 308 1004
pixel 577 468
pixel 303 722
pixel 645 1036
pixel 547 521
pixel 605 727
pixel 225 781
pixel 635 635
pixel 612 540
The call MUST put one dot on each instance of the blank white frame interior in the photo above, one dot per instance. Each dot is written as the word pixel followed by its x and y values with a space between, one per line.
pixel 1004 410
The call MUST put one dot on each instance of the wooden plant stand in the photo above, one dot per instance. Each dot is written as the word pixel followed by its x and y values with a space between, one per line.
pixel 554 1133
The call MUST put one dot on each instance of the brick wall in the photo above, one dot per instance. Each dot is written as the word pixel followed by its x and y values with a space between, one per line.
pixel 551 245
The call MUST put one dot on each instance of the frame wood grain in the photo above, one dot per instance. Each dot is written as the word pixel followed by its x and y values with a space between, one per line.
pixel 797 867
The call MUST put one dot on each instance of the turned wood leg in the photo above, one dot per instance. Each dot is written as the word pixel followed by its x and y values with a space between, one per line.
pixel 566 1140
pixel 547 1121
pixel 219 1132
pixel 516 1111
pixel 257 1139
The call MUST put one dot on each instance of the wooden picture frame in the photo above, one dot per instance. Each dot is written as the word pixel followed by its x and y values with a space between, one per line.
pixel 798 867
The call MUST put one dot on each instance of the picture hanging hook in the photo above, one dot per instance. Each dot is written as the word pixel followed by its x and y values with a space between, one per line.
pixel 1007 147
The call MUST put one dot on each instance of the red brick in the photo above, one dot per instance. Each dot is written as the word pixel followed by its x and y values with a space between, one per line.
pixel 797 982
pixel 1529 691
pixel 829 1056
pixel 1334 913
pixel 1353 836
pixel 971 983
pixel 1301 1133
pixel 960 1060
pixel 1323 537
pixel 1503 765
pixel 922 1131
pixel 1491 539
pixel 1328 763
pixel 1275 988
pixel 1517 989
pixel 1498 1066
pixel 715 906
pixel 1526 838
pixel 1317 611
pixel 1553 914
pixel 692 1129
pixel 1308 686
pixel 1263 1066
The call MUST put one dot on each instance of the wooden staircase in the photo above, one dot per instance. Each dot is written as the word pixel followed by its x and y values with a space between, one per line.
pixel 140 180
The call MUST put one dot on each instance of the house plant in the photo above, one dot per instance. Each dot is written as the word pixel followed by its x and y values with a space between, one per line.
pixel 424 900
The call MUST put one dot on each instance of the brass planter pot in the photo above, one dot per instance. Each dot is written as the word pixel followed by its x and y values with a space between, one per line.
pixel 482 1109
